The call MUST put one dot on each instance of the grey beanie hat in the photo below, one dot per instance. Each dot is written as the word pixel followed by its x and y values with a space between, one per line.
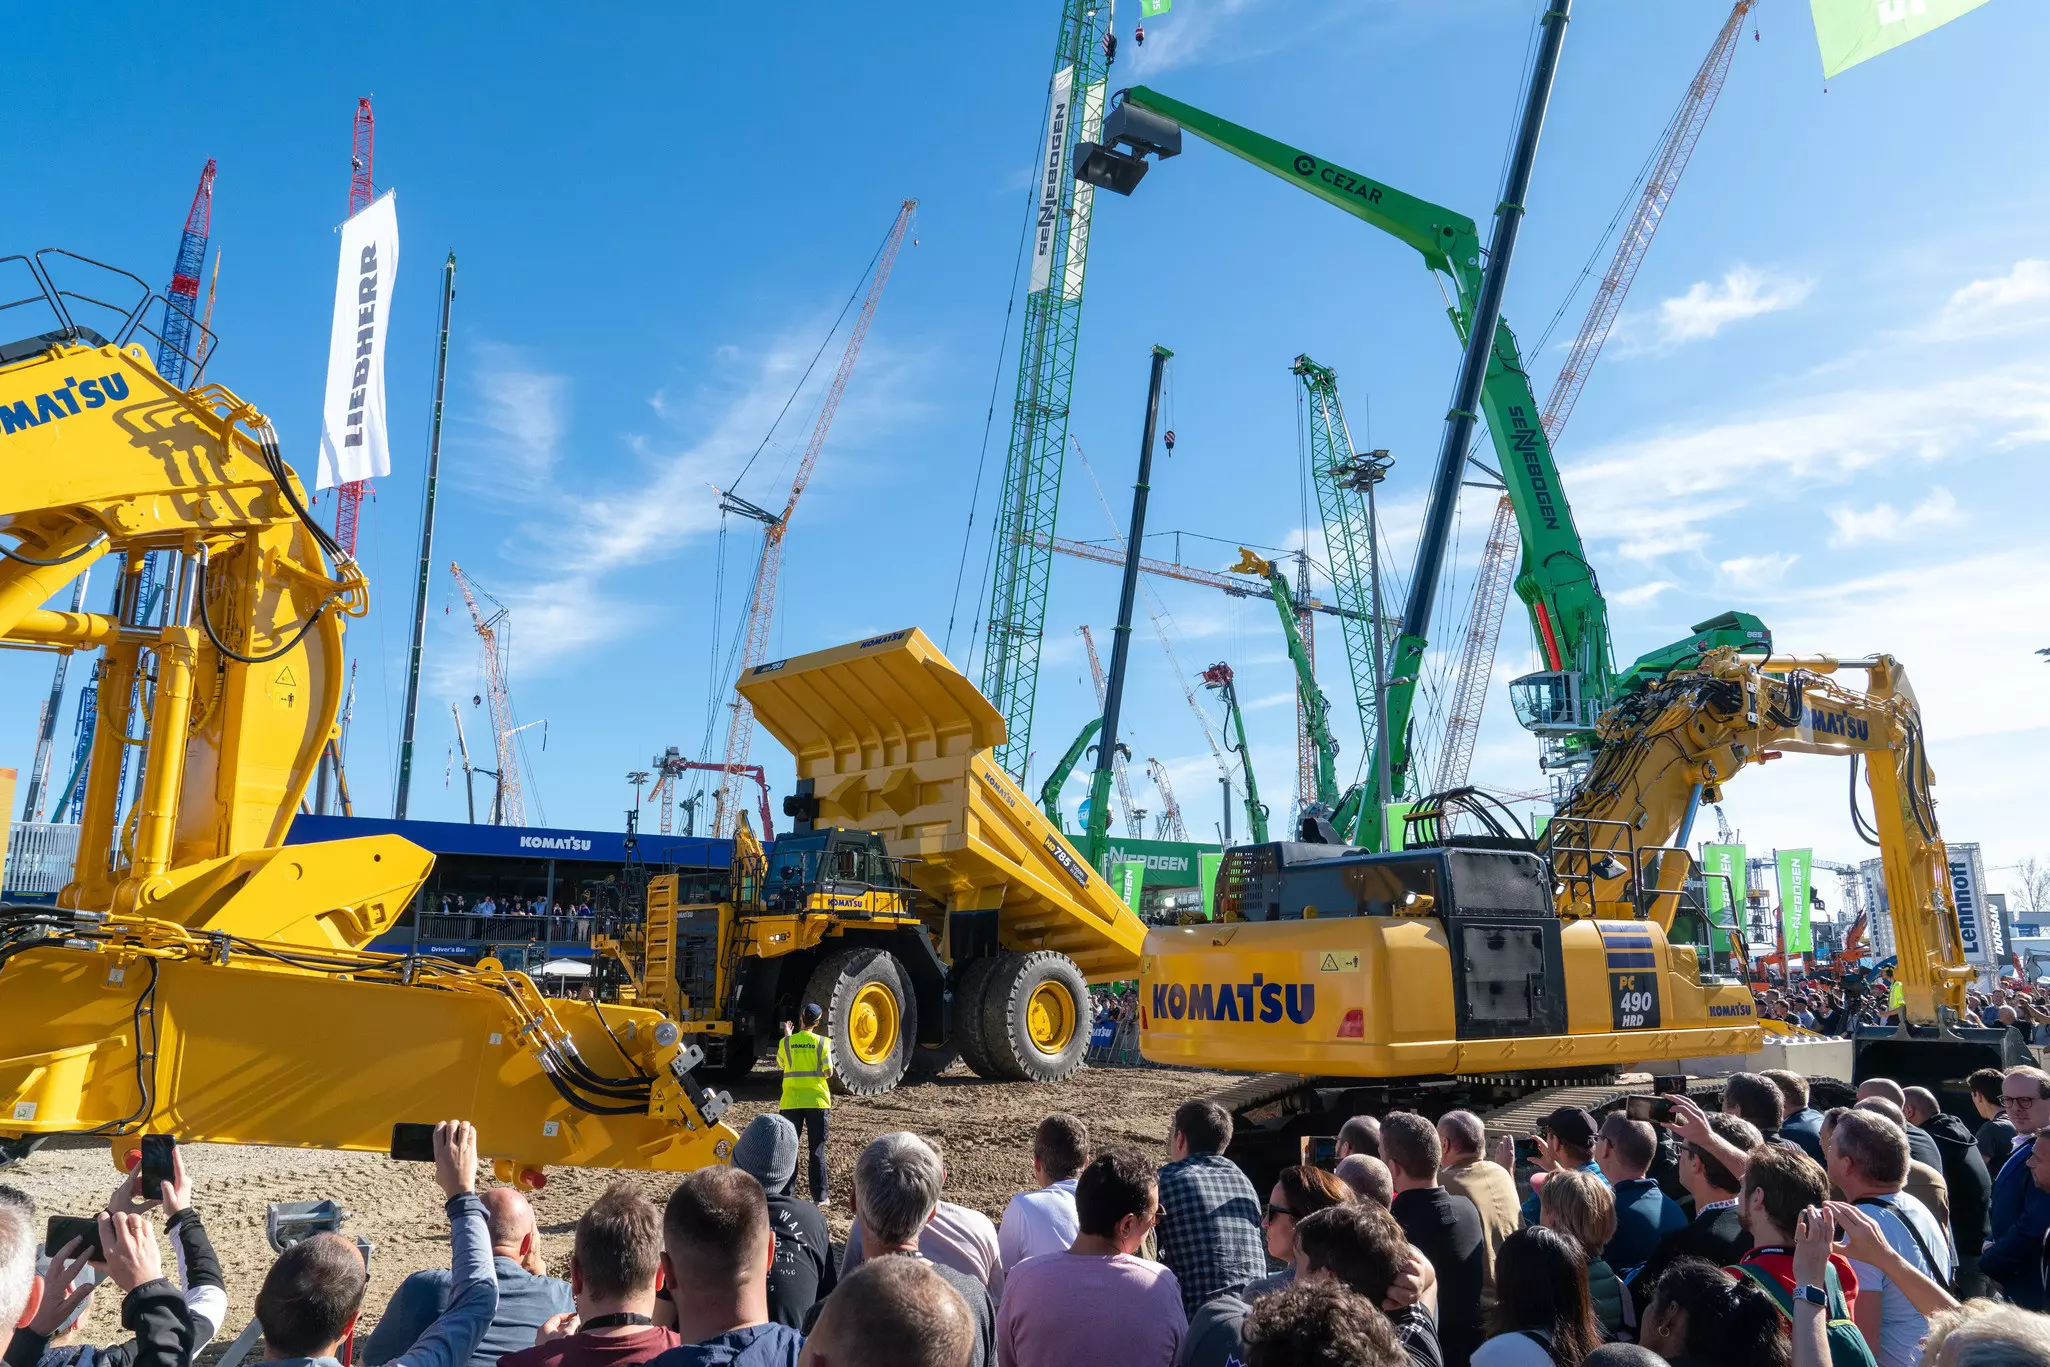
pixel 767 1152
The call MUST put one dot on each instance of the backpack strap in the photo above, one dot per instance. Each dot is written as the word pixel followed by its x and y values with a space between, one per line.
pixel 1929 1264
pixel 1770 1284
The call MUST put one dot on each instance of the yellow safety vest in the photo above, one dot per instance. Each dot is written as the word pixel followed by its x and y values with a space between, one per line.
pixel 806 1060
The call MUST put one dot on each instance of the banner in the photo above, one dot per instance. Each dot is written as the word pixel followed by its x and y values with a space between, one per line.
pixel 1129 880
pixel 1053 175
pixel 1169 863
pixel 1395 825
pixel 1796 870
pixel 1984 944
pixel 1208 863
pixel 1727 861
pixel 1149 8
pixel 1849 31
pixel 353 442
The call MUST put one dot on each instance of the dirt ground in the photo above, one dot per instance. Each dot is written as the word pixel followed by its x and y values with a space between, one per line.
pixel 983 1129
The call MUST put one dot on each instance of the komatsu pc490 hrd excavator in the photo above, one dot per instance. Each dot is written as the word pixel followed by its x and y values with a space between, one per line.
pixel 197 977
pixel 1472 970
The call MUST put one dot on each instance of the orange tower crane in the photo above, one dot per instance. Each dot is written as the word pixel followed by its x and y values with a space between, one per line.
pixel 761 607
pixel 1497 568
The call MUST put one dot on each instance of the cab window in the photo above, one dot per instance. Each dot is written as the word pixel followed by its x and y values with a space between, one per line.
pixel 1357 888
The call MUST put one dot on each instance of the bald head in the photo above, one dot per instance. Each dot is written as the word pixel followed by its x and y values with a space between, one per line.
pixel 510 1218
pixel 1920 1107
pixel 1884 1088
pixel 892 1312
pixel 1369 1178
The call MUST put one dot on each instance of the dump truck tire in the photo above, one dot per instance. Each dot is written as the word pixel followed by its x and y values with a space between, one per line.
pixel 871 1018
pixel 971 994
pixel 1035 1016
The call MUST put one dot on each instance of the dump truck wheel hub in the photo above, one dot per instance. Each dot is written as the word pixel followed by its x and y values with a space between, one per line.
pixel 1050 1017
pixel 872 1024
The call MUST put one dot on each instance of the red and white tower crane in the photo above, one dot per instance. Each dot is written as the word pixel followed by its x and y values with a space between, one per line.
pixel 349 497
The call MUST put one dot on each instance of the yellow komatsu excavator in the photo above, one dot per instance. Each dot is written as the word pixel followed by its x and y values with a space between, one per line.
pixel 1475 969
pixel 196 976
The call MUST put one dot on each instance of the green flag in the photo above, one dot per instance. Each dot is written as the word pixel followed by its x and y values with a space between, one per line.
pixel 1795 870
pixel 1849 31
pixel 1722 878
pixel 1207 863
pixel 1149 8
pixel 1129 877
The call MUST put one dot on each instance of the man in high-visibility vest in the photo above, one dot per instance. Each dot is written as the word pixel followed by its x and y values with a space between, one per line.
pixel 806 1058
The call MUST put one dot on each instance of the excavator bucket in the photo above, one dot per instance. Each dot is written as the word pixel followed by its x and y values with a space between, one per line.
pixel 1940 1062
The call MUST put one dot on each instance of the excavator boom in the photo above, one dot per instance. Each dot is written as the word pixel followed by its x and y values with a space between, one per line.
pixel 197 977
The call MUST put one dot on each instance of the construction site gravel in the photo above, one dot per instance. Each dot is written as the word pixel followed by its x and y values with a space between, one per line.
pixel 984 1129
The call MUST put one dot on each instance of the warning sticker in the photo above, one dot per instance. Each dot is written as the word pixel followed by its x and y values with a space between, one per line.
pixel 1339 963
pixel 284 689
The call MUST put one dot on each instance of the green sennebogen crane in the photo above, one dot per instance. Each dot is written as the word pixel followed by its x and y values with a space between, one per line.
pixel 1316 707
pixel 1022 551
pixel 1050 791
pixel 1569 616
pixel 1219 677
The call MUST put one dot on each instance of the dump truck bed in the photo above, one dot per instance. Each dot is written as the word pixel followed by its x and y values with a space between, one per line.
pixel 896 740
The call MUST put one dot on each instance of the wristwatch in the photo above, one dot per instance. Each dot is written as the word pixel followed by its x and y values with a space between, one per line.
pixel 1814 1295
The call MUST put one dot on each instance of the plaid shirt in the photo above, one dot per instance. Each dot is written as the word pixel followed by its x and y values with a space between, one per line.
pixel 1211 1234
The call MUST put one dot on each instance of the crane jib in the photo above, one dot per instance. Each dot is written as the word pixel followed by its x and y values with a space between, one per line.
pixel 1337 177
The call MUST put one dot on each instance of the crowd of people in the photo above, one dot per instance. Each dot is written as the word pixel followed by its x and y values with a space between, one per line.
pixel 566 919
pixel 1764 1233
pixel 1835 1002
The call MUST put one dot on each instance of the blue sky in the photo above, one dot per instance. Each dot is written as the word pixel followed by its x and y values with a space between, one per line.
pixel 1828 399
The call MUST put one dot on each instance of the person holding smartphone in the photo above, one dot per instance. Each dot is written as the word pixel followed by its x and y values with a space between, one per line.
pixel 70 1282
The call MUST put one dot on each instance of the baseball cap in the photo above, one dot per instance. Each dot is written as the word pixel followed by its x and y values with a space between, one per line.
pixel 1570 1124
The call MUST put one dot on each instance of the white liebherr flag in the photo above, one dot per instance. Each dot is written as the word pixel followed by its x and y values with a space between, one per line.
pixel 353 443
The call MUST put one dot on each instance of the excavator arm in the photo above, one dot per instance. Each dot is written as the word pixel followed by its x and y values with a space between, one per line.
pixel 1618 842
pixel 1568 615
pixel 1219 676
pixel 197 976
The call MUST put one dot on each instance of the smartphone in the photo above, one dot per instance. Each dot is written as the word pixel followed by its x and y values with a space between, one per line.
pixel 1527 1149
pixel 64 1228
pixel 1659 1110
pixel 159 1155
pixel 1321 1151
pixel 412 1143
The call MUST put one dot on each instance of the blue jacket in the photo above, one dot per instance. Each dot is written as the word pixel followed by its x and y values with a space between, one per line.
pixel 524 1301
pixel 2021 1216
pixel 1803 1129
pixel 763 1345
pixel 451 1338
pixel 1644 1215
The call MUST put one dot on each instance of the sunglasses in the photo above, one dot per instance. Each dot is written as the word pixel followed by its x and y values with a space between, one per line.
pixel 1275 1212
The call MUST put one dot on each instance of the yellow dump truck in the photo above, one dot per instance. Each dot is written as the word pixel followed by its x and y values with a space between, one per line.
pixel 923 901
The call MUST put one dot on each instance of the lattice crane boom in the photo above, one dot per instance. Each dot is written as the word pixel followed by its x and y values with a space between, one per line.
pixel 1493 577
pixel 1170 826
pixel 1135 819
pixel 176 350
pixel 362 151
pixel 761 607
pixel 511 807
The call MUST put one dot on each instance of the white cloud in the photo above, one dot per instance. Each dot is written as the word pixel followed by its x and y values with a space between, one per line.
pixel 524 411
pixel 1656 494
pixel 2017 299
pixel 1706 309
pixel 1883 522
pixel 1757 571
pixel 1638 595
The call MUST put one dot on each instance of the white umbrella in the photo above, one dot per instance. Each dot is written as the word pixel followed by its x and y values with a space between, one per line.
pixel 565 968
